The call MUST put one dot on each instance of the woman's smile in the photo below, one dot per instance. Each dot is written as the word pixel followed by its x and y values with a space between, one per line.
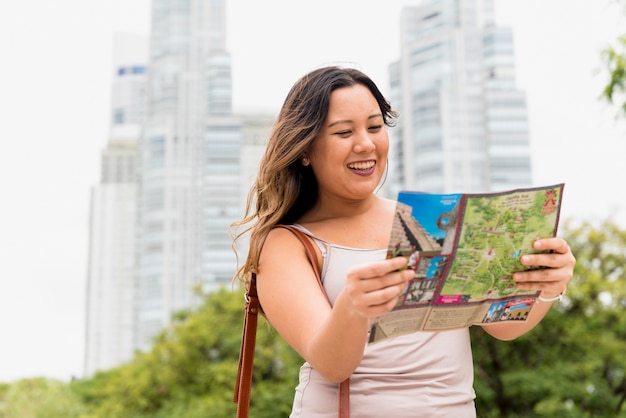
pixel 363 168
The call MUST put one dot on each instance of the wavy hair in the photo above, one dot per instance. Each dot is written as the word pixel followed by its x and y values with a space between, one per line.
pixel 285 189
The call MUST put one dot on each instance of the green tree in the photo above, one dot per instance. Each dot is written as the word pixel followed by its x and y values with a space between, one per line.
pixel 40 398
pixel 614 58
pixel 572 364
pixel 192 367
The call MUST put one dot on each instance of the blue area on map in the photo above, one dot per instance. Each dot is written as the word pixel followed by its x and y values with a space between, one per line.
pixel 427 208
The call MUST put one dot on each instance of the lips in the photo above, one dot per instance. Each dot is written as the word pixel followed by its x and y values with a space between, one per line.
pixel 362 165
pixel 362 168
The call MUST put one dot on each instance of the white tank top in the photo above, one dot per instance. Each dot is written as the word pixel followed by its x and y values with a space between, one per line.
pixel 424 374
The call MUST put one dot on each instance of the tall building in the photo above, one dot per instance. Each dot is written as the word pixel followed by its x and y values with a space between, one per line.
pixel 189 166
pixel 111 285
pixel 463 124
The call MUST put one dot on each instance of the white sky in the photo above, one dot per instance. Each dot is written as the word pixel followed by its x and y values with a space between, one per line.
pixel 54 107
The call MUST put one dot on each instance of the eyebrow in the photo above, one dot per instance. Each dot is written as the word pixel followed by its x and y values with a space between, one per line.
pixel 337 122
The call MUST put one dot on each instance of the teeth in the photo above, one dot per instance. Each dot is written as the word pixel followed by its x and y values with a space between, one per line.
pixel 362 166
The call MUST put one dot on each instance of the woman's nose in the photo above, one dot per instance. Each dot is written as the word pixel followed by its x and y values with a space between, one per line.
pixel 364 143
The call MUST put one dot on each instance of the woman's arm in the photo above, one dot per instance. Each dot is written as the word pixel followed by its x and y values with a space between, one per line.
pixel 332 340
pixel 550 281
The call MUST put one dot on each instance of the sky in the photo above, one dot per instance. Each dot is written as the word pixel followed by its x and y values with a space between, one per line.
pixel 55 86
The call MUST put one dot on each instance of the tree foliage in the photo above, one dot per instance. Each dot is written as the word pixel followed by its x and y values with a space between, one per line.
pixel 614 58
pixel 39 398
pixel 192 367
pixel 572 364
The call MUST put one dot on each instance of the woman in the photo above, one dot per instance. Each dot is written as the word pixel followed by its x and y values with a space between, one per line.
pixel 324 161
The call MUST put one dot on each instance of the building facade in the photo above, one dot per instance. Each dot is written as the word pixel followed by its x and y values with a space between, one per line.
pixel 160 227
pixel 463 124
pixel 111 277
pixel 189 183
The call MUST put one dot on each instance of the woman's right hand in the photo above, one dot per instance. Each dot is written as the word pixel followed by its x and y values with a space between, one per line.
pixel 373 289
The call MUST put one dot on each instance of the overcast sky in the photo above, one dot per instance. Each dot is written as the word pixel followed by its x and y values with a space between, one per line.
pixel 54 109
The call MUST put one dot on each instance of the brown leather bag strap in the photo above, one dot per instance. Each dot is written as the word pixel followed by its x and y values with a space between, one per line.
pixel 344 399
pixel 243 384
pixel 248 340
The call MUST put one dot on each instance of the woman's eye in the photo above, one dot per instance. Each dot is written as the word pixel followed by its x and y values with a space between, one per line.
pixel 343 133
pixel 375 128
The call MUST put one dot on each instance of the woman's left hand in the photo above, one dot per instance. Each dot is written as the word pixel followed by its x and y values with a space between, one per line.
pixel 560 264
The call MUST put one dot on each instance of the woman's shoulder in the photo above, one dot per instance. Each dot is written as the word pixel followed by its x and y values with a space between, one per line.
pixel 282 242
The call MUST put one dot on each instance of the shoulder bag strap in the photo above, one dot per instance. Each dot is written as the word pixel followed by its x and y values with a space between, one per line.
pixel 246 352
pixel 248 340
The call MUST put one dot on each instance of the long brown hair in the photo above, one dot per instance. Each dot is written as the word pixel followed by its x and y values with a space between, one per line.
pixel 285 189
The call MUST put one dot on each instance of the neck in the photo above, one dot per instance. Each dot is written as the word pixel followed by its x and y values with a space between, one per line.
pixel 363 224
pixel 328 208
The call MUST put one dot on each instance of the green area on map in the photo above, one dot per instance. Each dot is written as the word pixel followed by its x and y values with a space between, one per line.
pixel 495 232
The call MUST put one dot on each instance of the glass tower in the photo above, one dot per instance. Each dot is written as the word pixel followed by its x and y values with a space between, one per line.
pixel 189 184
pixel 463 124
pixel 111 276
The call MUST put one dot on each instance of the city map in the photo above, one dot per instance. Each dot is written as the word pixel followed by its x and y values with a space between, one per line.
pixel 464 249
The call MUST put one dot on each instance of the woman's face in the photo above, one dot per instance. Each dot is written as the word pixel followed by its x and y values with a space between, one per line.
pixel 350 153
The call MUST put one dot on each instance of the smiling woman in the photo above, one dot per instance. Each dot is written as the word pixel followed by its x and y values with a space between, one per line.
pixel 323 163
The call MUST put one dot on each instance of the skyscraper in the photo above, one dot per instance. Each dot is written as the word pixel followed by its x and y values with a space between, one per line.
pixel 111 285
pixel 463 124
pixel 189 182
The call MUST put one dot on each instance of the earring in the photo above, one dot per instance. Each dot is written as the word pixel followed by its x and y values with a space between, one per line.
pixel 304 160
